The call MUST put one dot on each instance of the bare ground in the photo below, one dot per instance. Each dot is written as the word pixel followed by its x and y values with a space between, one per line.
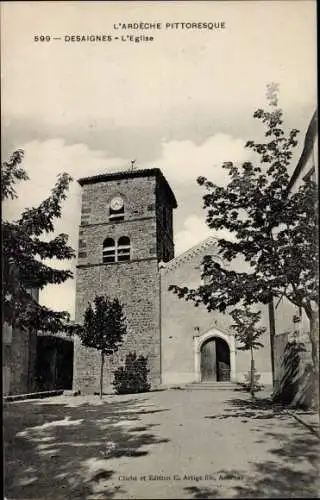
pixel 169 444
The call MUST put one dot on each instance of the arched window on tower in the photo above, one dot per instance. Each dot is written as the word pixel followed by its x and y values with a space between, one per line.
pixel 116 252
pixel 123 248
pixel 109 250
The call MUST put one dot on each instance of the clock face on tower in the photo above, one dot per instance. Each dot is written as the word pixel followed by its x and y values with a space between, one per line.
pixel 116 203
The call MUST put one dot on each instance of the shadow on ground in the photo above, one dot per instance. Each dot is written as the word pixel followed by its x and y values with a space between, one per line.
pixel 59 451
pixel 294 472
pixel 256 408
pixel 199 493
pixel 270 480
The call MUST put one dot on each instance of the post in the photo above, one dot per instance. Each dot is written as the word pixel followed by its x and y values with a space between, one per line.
pixel 252 369
pixel 101 374
pixel 160 267
pixel 272 326
pixel 29 361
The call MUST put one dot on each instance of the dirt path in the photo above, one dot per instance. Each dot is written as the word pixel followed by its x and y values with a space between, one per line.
pixel 170 444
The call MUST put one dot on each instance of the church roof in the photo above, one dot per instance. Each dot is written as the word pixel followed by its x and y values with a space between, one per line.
pixel 192 252
pixel 131 174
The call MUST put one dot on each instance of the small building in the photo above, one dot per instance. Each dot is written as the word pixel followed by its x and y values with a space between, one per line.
pixel 307 166
pixel 19 350
pixel 291 322
pixel 34 361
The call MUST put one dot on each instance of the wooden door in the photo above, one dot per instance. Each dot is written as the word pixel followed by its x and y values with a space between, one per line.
pixel 208 361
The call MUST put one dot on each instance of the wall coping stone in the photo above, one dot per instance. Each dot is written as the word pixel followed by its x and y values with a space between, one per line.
pixel 190 253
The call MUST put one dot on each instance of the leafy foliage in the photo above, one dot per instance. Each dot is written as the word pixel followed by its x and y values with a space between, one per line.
pixel 248 334
pixel 11 172
pixel 104 328
pixel 133 377
pixel 104 325
pixel 247 331
pixel 273 230
pixel 24 254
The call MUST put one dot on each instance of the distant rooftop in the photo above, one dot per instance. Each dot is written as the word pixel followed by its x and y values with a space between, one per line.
pixel 130 174
pixel 307 149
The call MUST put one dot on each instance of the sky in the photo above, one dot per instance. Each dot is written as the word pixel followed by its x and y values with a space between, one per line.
pixel 182 102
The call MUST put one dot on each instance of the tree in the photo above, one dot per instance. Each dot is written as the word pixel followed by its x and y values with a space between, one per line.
pixel 24 254
pixel 133 376
pixel 248 334
pixel 104 327
pixel 274 231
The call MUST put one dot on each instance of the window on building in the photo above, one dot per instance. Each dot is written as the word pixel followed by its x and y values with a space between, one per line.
pixel 109 250
pixel 123 249
pixel 115 215
pixel 116 252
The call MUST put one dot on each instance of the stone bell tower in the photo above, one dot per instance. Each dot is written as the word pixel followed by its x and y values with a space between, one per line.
pixel 125 231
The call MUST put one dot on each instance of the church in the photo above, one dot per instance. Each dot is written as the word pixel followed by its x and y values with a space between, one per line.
pixel 126 250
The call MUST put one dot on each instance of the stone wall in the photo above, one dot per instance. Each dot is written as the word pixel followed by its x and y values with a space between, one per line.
pixel 183 324
pixel 280 342
pixel 18 361
pixel 135 282
pixel 142 234
pixel 294 381
pixel 136 285
pixel 165 244
pixel 139 195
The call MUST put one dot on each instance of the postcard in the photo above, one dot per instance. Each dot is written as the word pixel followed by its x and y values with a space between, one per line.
pixel 159 172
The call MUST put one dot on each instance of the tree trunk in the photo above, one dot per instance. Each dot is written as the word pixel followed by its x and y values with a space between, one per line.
pixel 101 374
pixel 29 379
pixel 252 374
pixel 272 327
pixel 314 331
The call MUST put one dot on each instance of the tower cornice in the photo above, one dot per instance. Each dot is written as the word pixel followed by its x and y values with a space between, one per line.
pixel 130 174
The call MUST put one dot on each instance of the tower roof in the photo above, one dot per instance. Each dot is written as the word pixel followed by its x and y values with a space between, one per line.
pixel 131 174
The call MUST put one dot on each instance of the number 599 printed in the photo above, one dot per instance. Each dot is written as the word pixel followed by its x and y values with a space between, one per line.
pixel 42 38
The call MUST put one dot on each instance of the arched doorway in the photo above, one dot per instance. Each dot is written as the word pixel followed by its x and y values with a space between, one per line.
pixel 215 360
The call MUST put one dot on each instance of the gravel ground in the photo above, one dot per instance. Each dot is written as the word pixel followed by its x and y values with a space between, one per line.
pixel 162 445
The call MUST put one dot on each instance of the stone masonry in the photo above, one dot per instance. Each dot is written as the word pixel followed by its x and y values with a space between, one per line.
pixel 147 221
pixel 171 332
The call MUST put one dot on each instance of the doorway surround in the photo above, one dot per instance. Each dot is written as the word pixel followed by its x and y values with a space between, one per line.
pixel 210 334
